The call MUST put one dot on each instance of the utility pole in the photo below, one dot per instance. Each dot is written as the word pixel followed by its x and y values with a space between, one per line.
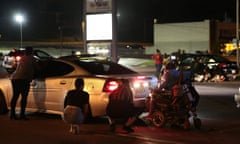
pixel 114 31
pixel 83 24
pixel 237 31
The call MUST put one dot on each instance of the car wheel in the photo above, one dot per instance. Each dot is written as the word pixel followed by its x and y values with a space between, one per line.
pixel 158 119
pixel 3 105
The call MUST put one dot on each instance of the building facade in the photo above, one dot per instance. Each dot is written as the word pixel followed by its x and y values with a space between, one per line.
pixel 206 36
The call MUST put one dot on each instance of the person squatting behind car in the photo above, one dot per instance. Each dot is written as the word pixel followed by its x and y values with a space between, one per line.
pixel 121 106
pixel 76 104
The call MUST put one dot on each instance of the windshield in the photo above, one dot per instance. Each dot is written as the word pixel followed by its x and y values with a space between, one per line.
pixel 220 59
pixel 104 67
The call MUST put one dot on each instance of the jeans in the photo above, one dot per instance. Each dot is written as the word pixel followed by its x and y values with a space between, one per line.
pixel 158 69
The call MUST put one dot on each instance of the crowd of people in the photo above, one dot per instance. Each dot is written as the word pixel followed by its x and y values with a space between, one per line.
pixel 76 103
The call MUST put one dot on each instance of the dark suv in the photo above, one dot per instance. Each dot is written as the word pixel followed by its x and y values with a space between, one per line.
pixel 212 63
pixel 11 60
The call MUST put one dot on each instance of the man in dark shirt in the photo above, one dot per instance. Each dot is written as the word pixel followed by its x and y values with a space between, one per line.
pixel 76 105
pixel 21 79
pixel 120 106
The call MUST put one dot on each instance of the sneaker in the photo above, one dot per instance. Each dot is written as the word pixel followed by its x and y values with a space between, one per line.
pixel 128 129
pixel 112 127
pixel 76 130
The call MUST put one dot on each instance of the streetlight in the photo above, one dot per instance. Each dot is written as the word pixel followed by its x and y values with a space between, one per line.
pixel 20 19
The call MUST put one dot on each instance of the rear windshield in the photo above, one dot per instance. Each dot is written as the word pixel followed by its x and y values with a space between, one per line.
pixel 205 58
pixel 104 67
pixel 220 58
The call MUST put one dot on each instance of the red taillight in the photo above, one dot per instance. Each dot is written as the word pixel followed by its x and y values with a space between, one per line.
pixel 223 65
pixel 18 58
pixel 110 85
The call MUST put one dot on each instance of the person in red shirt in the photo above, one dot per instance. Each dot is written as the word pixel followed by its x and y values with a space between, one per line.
pixel 157 57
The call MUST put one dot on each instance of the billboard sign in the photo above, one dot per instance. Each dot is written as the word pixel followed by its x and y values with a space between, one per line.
pixel 99 26
pixel 96 6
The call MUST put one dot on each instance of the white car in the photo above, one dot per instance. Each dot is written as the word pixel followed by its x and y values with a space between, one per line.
pixel 57 76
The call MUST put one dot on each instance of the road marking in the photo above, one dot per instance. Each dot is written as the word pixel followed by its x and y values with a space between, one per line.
pixel 145 139
pixel 150 139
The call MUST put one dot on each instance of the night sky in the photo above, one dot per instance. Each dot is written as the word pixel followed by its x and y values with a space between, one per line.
pixel 44 17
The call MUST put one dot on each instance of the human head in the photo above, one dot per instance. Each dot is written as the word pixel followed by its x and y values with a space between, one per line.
pixel 170 65
pixel 157 50
pixel 79 83
pixel 125 81
pixel 28 50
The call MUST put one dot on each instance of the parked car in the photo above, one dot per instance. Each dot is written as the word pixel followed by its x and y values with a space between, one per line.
pixel 232 56
pixel 214 64
pixel 11 59
pixel 135 46
pixel 57 76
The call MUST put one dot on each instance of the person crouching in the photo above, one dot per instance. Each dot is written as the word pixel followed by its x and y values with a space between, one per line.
pixel 76 104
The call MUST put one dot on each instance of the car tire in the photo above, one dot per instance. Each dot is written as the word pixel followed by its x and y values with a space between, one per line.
pixel 158 119
pixel 3 105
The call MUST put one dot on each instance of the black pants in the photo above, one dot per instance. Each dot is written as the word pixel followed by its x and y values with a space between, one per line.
pixel 20 86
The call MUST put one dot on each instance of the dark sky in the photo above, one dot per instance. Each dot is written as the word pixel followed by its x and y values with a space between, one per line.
pixel 45 16
pixel 193 10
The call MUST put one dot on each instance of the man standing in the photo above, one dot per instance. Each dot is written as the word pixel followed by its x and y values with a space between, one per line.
pixel 21 79
pixel 157 57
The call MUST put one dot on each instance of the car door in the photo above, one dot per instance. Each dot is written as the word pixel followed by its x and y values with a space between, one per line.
pixel 49 89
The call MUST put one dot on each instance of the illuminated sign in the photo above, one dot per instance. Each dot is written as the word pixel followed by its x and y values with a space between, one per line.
pixel 99 26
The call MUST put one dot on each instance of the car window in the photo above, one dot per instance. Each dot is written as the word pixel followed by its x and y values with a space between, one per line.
pixel 103 67
pixel 187 60
pixel 56 68
pixel 41 54
pixel 220 58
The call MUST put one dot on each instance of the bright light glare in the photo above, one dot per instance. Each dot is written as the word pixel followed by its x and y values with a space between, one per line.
pixel 140 77
pixel 19 18
pixel 136 84
pixel 18 58
pixel 112 85
pixel 77 53
pixel 99 26
pixel 146 84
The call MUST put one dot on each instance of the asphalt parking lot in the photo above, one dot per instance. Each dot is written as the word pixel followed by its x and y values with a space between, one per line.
pixel 42 129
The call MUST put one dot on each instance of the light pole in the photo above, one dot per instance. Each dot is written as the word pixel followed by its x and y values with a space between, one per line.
pixel 20 19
